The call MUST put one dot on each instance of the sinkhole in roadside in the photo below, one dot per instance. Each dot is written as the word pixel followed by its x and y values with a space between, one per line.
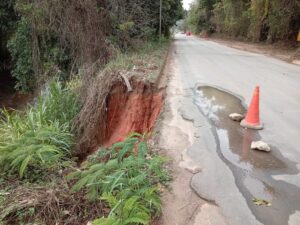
pixel 134 111
pixel 253 170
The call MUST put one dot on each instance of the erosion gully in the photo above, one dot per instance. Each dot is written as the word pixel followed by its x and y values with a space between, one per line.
pixel 134 111
pixel 253 170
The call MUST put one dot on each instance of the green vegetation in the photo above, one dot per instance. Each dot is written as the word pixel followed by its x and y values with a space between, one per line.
pixel 145 58
pixel 127 179
pixel 258 20
pixel 40 137
pixel 43 39
pixel 67 49
pixel 118 185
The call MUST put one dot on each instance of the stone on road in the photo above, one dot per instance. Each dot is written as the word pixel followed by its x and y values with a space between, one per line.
pixel 236 117
pixel 261 146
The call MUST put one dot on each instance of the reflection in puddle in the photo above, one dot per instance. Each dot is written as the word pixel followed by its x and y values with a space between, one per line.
pixel 253 170
pixel 235 141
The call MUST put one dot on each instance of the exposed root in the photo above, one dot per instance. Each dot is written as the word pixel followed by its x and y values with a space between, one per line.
pixel 111 112
pixel 90 123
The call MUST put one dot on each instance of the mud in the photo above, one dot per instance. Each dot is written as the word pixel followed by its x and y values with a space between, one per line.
pixel 252 170
pixel 9 98
pixel 134 111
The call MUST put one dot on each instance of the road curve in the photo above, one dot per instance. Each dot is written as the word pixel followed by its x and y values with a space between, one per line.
pixel 203 62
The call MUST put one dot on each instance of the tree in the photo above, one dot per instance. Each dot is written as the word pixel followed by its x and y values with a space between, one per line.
pixel 259 20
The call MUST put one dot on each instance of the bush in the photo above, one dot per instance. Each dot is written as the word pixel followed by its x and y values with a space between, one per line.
pixel 42 136
pixel 127 178
pixel 20 48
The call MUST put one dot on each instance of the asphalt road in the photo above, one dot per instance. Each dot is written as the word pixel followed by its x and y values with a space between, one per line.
pixel 227 178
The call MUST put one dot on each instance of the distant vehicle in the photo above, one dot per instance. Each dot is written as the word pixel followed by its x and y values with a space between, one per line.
pixel 189 33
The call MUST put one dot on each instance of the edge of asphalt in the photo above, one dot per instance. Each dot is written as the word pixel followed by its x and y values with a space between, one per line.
pixel 176 135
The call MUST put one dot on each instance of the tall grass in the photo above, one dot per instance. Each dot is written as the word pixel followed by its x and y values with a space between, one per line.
pixel 41 136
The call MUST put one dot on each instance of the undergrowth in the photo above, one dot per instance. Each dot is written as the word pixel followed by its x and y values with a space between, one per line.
pixel 127 178
pixel 144 61
pixel 41 137
pixel 116 186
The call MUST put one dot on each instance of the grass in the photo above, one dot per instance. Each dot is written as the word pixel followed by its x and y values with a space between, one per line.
pixel 144 62
pixel 40 137
pixel 39 183
pixel 117 186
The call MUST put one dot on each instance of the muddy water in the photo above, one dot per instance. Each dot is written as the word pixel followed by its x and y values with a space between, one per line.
pixel 253 170
pixel 9 98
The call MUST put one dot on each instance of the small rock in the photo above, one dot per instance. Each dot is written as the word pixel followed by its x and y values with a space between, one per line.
pixel 236 117
pixel 261 146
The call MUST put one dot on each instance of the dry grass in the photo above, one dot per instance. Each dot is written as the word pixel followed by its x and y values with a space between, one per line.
pixel 49 205
pixel 91 121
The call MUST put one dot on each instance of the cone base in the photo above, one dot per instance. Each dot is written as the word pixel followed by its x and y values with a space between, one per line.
pixel 251 126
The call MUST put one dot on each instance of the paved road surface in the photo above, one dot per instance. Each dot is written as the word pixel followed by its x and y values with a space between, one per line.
pixel 227 178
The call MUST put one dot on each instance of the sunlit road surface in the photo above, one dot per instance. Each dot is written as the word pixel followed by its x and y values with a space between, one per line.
pixel 232 174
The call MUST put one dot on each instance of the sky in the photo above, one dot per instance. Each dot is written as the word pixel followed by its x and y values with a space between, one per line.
pixel 186 3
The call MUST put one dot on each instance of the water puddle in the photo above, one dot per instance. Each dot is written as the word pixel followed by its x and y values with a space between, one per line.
pixel 253 170
pixel 9 98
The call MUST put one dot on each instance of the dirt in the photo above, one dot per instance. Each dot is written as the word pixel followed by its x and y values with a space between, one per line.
pixel 181 205
pixel 134 111
pixel 281 51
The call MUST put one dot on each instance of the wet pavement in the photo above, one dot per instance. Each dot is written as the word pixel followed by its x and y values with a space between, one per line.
pixel 252 170
pixel 218 80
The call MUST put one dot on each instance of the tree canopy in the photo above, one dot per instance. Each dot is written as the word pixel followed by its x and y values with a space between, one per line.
pixel 258 20
pixel 40 38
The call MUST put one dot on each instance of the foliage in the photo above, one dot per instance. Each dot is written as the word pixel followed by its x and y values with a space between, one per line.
pixel 20 47
pixel 200 15
pixel 41 137
pixel 35 51
pixel 143 16
pixel 54 38
pixel 259 20
pixel 127 178
pixel 7 21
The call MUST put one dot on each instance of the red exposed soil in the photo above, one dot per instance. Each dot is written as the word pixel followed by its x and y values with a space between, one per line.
pixel 134 111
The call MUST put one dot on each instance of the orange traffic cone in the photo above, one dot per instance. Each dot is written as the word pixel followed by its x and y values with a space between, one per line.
pixel 252 118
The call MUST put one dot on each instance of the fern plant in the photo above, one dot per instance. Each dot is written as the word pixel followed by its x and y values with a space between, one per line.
pixel 125 178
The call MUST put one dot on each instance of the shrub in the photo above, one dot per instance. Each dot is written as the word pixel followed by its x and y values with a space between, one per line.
pixel 41 136
pixel 20 48
pixel 127 178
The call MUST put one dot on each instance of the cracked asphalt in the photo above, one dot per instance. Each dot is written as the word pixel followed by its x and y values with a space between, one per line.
pixel 227 179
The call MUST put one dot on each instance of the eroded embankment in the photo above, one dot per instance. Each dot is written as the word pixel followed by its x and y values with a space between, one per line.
pixel 112 115
pixel 134 111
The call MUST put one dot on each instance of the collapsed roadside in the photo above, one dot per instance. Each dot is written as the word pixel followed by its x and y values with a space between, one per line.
pixel 74 173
